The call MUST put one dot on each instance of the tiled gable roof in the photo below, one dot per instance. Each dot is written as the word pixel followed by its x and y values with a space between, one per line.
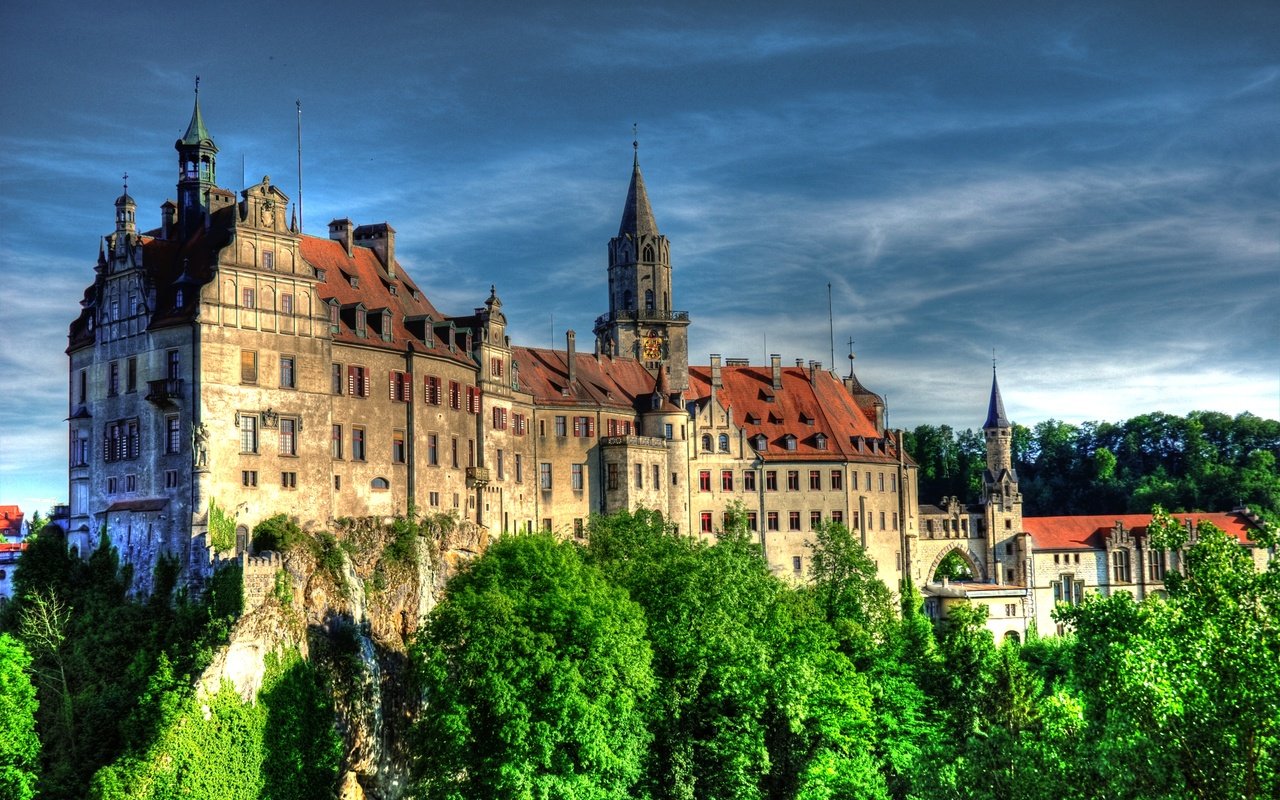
pixel 758 408
pixel 10 520
pixel 1088 532
pixel 604 381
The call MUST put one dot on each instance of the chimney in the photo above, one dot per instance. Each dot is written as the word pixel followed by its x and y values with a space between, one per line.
pixel 570 354
pixel 168 219
pixel 716 382
pixel 775 364
pixel 381 238
pixel 800 363
pixel 340 231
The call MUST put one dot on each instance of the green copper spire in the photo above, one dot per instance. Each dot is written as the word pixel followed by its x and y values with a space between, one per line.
pixel 196 131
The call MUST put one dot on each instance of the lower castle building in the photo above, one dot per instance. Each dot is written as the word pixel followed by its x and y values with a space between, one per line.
pixel 225 359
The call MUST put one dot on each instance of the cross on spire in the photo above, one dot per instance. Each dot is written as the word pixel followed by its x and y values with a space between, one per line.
pixel 197 85
pixel 125 177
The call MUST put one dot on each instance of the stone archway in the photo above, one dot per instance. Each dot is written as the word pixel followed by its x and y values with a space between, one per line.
pixel 970 557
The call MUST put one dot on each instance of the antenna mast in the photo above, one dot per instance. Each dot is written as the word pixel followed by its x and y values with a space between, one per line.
pixel 831 324
pixel 299 104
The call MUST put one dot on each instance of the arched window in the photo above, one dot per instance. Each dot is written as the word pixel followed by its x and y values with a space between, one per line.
pixel 706 441
pixel 1012 636
pixel 648 299
pixel 380 484
pixel 724 443
pixel 648 252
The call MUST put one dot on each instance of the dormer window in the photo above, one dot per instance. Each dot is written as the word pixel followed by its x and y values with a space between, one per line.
pixel 820 441
pixel 759 443
pixel 752 419
pixel 789 442
pixel 354 281
pixel 362 327
pixel 417 295
pixel 386 326
pixel 392 289
pixel 333 316
pixel 321 274
pixel 178 299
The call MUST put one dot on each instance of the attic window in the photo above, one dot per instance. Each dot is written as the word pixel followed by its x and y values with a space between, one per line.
pixel 760 443
pixel 361 323
pixel 820 441
pixel 752 419
pixel 789 442
pixel 321 274
pixel 805 418
pixel 392 289
pixel 354 280
pixel 417 295
pixel 333 316
pixel 386 326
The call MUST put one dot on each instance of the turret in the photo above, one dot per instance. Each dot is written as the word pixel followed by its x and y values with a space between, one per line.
pixel 197 158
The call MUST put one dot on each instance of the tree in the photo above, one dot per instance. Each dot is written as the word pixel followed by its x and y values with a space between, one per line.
pixel 537 674
pixel 19 747
pixel 846 588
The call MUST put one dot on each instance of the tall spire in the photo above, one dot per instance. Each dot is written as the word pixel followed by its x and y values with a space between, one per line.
pixel 995 409
pixel 196 131
pixel 637 216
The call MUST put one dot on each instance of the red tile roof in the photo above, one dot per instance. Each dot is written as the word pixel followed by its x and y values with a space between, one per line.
pixel 808 404
pixel 10 520
pixel 605 381
pixel 1087 532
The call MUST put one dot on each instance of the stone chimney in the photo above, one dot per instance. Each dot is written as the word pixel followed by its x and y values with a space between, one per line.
pixel 570 355
pixel 716 382
pixel 340 230
pixel 381 238
pixel 775 364
pixel 168 219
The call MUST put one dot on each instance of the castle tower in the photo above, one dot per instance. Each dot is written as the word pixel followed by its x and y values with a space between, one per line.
pixel 197 158
pixel 1000 494
pixel 641 323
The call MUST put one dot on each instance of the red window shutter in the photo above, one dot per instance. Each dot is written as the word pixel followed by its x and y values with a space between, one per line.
pixel 393 384
pixel 591 427
pixel 351 380
pixel 577 426
pixel 408 389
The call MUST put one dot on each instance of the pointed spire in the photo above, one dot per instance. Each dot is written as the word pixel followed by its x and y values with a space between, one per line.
pixel 196 131
pixel 637 216
pixel 995 410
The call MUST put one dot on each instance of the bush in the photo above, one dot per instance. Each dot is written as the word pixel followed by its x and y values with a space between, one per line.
pixel 278 533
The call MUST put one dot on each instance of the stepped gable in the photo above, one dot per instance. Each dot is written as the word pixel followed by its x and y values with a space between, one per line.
pixel 373 289
pixel 1088 532
pixel 822 400
pixel 603 381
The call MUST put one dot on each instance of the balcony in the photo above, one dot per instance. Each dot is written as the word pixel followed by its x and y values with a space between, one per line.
pixel 477 476
pixel 650 315
pixel 164 392
pixel 633 441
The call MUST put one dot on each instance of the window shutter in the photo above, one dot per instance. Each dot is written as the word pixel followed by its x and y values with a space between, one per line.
pixel 408 389
pixel 392 382
pixel 577 426
pixel 364 383
pixel 591 427
pixel 351 380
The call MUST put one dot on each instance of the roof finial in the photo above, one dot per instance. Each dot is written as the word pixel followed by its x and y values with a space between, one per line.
pixel 125 177
pixel 635 143
pixel 993 361
pixel 850 357
pixel 197 86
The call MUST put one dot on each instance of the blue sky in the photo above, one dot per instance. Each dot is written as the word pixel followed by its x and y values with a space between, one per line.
pixel 1090 189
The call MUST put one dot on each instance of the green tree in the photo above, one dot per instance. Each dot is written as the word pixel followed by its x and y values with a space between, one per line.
pixel 19 746
pixel 537 673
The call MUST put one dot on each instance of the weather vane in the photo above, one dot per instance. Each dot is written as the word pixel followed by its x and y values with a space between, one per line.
pixel 635 139
pixel 197 84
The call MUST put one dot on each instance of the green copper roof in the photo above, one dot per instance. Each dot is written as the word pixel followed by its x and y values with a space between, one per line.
pixel 196 131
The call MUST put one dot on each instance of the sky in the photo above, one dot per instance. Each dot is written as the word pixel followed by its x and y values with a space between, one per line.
pixel 1090 190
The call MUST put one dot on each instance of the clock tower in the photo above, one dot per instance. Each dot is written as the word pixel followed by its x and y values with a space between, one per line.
pixel 641 323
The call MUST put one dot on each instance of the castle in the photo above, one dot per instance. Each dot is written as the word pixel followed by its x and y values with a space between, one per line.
pixel 226 357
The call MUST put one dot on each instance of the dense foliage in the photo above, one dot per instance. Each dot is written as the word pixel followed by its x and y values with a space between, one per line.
pixel 760 689
pixel 1205 461
pixel 19 746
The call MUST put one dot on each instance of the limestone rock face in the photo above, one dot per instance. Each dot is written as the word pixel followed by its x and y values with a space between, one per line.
pixel 351 789
pixel 264 630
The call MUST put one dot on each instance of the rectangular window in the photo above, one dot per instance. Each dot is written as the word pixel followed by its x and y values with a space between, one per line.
pixel 576 477
pixel 431 385
pixel 793 520
pixel 753 521
pixel 815 480
pixel 335 315
pixel 286 304
pixel 357 444
pixel 544 476
pixel 113 379
pixel 248 366
pixel 453 451
pixel 584 426
pixel 837 516
pixel 495 367
pixel 749 480
pixel 111 485
pixel 771 520
pixel 893 481
pixel 287 377
pixel 473 400
pixel 172 434
pixel 336 375
pixel 611 476
pixel 1120 566
pixel 131 483
pixel 668 432
pixel 815 520
pixel 881 474
pixel 704 480
pixel 131 375
pixel 249 478
pixel 401 387
pixel 895 520
pixel 289 480
pixel 657 477
pixel 639 476
pixel 705 521
pixel 433 499
pixel 433 450
pixel 562 426
pixel 173 362
pixel 337 482
pixel 881 520
pixel 357 381
pixel 288 436
pixel 455 395
pixel 170 479
pixel 797 565
pixel 868 481
pixel 248 433
pixel 793 480
pixel 471 452
pixel 519 468
pixel 771 480
pixel 84 387
pixel 268 260
pixel 248 299
pixel 613 427
pixel 837 480
pixel 519 423
pixel 502 465
pixel 499 418
pixel 335 442
pixel 1156 565
pixel 579 530
pixel 726 480
pixel 397 447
